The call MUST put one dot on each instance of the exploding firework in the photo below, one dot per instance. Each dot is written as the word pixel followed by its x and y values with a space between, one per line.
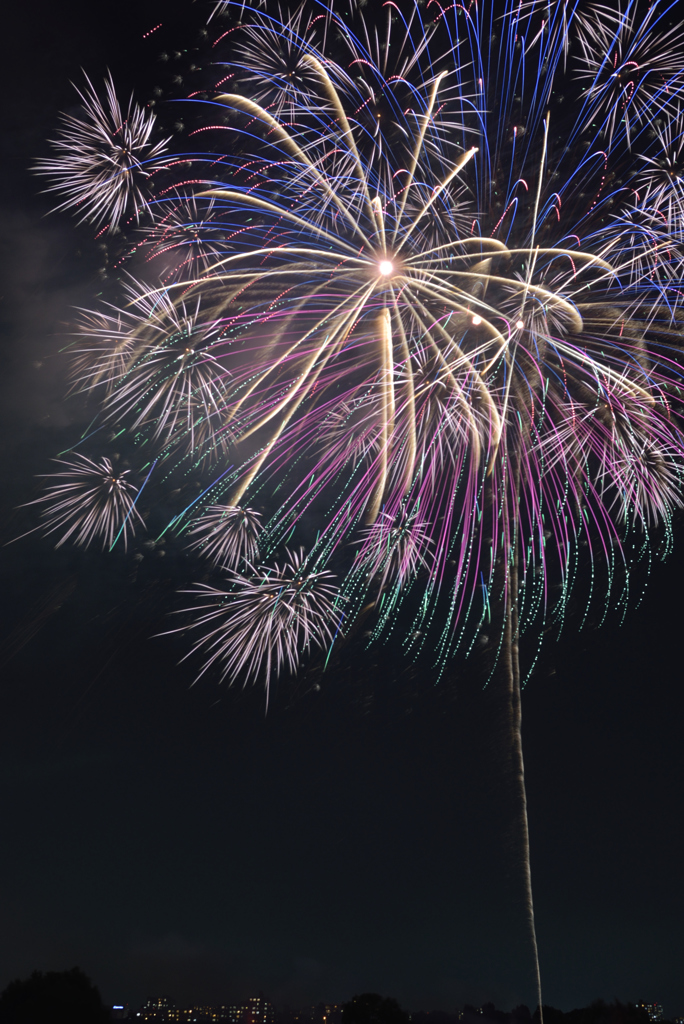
pixel 157 363
pixel 266 618
pixel 103 158
pixel 630 67
pixel 418 302
pixel 410 294
pixel 184 237
pixel 393 551
pixel 227 535
pixel 90 502
pixel 662 172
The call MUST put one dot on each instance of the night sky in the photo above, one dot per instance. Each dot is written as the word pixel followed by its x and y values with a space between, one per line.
pixel 174 839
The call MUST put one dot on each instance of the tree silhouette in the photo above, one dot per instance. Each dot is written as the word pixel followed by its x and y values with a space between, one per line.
pixel 370 1008
pixel 53 997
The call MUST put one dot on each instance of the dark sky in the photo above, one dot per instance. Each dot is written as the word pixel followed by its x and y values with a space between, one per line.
pixel 170 838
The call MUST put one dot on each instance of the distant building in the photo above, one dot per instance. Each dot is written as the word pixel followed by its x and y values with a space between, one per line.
pixel 654 1011
pixel 321 1013
pixel 155 1009
pixel 256 1010
pixel 162 1010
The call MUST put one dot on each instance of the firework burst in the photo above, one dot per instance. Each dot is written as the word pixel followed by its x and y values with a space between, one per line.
pixel 184 238
pixel 662 172
pixel 631 65
pixel 90 502
pixel 156 362
pixel 266 619
pixel 421 303
pixel 415 287
pixel 227 535
pixel 103 158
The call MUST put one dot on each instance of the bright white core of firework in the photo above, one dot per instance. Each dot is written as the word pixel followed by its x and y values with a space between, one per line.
pixel 385 268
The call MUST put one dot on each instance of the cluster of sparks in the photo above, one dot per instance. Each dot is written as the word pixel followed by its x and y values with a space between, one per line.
pixel 422 290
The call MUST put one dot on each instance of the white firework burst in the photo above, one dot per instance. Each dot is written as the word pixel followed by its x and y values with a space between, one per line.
pixel 172 381
pixel 90 501
pixel 185 236
pixel 103 158
pixel 270 59
pixel 394 549
pixel 104 348
pixel 662 173
pixel 631 66
pixel 266 619
pixel 226 535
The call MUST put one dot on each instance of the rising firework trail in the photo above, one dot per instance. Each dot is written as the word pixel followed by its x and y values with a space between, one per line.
pixel 409 295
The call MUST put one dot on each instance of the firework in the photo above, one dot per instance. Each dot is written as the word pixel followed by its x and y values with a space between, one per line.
pixel 184 237
pixel 157 364
pixel 661 177
pixel 266 619
pixel 406 310
pixel 90 502
pixel 393 550
pixel 103 158
pixel 651 250
pixel 227 535
pixel 631 66
pixel 270 61
pixel 421 303
pixel 104 346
